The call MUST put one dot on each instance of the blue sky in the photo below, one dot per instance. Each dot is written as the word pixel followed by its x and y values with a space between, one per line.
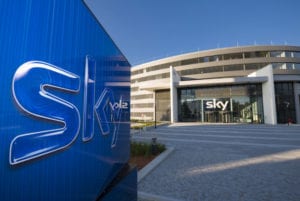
pixel 147 30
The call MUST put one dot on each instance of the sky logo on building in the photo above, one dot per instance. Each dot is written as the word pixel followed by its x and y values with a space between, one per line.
pixel 41 103
pixel 216 104
pixel 63 118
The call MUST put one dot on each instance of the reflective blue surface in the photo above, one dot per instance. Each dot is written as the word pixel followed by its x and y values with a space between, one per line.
pixel 64 106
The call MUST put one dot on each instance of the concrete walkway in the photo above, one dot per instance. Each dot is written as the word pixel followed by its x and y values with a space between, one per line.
pixel 225 163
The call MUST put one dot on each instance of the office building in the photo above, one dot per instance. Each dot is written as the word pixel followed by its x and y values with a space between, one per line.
pixel 253 84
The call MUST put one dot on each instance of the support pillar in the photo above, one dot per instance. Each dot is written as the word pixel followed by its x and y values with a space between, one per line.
pixel 174 80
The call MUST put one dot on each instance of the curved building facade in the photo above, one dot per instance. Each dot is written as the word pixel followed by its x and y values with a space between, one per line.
pixel 253 84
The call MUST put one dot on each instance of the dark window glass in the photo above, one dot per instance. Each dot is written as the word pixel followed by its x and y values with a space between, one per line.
pixel 256 54
pixel 289 54
pixel 255 66
pixel 285 102
pixel 296 54
pixel 234 68
pixel 251 67
pixel 297 66
pixel 214 58
pixel 205 59
pixel 233 56
pixel 201 60
pixel 189 61
pixel 137 72
pixel 276 54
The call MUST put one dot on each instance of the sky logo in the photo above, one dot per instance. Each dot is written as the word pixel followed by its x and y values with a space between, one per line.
pixel 39 101
pixel 216 104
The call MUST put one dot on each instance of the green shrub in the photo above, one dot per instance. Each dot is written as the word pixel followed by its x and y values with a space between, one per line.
pixel 146 149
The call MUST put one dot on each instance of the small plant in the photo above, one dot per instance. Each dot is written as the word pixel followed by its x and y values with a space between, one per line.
pixel 146 149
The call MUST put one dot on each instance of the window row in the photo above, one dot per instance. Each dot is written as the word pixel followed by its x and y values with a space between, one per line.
pixel 152 77
pixel 243 55
pixel 137 72
pixel 286 66
pixel 144 96
pixel 142 105
pixel 238 67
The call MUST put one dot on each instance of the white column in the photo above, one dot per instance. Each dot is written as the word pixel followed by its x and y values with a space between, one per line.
pixel 174 80
pixel 268 90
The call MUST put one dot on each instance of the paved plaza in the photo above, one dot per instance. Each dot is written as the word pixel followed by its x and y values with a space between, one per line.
pixel 218 162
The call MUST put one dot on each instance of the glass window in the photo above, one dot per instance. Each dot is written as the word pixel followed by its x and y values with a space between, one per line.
pixel 233 56
pixel 278 66
pixel 285 102
pixel 137 72
pixel 234 67
pixel 242 103
pixel 290 66
pixel 152 77
pixel 211 69
pixel 189 61
pixel 201 70
pixel 205 59
pixel 297 66
pixel 214 58
pixel 262 54
pixel 289 54
pixel 201 60
pixel 296 54
pixel 251 67
pixel 284 66
pixel 162 66
pixel 277 54
pixel 255 66
pixel 256 54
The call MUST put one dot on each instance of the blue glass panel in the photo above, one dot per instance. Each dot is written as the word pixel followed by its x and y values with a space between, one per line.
pixel 64 105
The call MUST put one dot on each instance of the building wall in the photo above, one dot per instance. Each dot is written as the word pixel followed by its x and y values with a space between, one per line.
pixel 235 62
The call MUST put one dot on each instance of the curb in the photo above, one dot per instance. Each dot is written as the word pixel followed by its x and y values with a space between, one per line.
pixel 154 163
pixel 150 197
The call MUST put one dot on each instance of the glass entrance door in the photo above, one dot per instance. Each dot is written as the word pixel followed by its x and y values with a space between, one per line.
pixel 217 116
pixel 190 110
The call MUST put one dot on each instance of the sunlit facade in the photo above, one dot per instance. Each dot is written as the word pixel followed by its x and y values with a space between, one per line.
pixel 253 84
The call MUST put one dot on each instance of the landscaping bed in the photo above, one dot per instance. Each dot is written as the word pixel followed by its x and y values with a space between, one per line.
pixel 142 153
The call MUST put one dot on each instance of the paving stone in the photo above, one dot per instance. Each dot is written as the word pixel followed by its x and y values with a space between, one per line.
pixel 261 163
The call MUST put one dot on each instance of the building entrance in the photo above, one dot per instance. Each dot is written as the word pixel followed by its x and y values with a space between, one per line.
pixel 228 104
pixel 217 117
pixel 285 102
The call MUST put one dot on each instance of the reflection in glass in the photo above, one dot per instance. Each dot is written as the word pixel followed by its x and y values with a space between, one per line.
pixel 285 102
pixel 226 104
